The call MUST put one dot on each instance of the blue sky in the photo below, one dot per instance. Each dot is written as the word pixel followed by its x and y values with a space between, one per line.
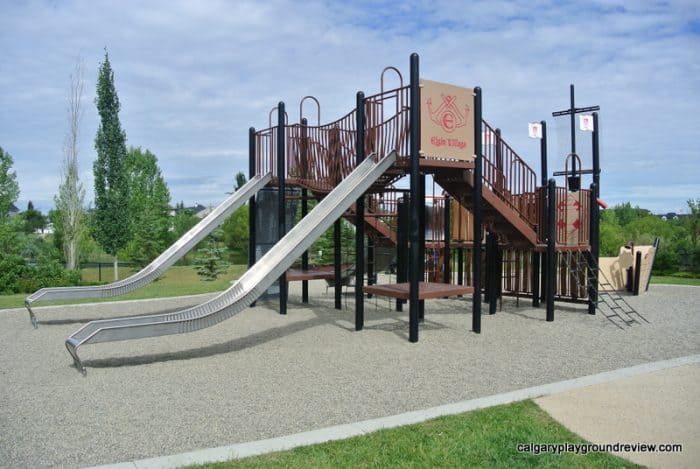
pixel 193 76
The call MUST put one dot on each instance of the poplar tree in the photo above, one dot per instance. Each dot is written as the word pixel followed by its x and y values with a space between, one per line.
pixel 111 229
pixel 71 193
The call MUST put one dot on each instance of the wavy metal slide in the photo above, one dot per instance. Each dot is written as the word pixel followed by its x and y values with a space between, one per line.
pixel 160 264
pixel 251 284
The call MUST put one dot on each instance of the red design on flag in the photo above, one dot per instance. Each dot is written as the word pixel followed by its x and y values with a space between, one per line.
pixel 576 224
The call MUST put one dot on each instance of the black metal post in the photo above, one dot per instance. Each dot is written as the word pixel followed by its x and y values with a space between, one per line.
pixel 360 219
pixel 594 239
pixel 488 258
pixel 637 272
pixel 402 229
pixel 498 274
pixel 551 246
pixel 415 269
pixel 573 127
pixel 543 162
pixel 492 259
pixel 543 152
pixel 447 272
pixel 535 279
pixel 252 236
pixel 281 199
pixel 421 241
pixel 478 215
pixel 371 263
pixel 499 151
pixel 595 213
pixel 460 266
pixel 337 283
pixel 304 206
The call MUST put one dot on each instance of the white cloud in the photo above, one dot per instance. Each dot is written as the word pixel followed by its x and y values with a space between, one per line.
pixel 193 76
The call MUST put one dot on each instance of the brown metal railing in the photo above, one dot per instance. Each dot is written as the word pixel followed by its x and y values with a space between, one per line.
pixel 508 176
pixel 320 156
pixel 387 122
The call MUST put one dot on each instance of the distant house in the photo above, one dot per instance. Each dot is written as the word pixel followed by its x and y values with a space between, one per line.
pixel 671 215
pixel 47 230
pixel 198 210
pixel 204 212
pixel 13 210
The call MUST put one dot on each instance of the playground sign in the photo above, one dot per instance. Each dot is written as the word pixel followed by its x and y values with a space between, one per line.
pixel 586 122
pixel 534 130
pixel 447 120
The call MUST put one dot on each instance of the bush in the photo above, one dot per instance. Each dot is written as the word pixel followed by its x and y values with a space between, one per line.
pixel 17 276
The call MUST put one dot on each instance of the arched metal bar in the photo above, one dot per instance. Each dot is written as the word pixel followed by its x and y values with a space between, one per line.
pixel 269 117
pixel 394 69
pixel 318 109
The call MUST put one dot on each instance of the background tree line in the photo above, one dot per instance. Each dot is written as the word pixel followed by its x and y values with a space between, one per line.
pixel 679 252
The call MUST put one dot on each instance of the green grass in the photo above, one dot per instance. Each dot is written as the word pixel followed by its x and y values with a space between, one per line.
pixel 177 281
pixel 669 280
pixel 483 438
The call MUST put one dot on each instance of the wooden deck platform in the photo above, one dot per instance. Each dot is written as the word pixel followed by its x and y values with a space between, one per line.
pixel 322 273
pixel 325 272
pixel 426 290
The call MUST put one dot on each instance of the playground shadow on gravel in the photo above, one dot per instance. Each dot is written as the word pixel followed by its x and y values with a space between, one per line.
pixel 323 317
pixel 82 321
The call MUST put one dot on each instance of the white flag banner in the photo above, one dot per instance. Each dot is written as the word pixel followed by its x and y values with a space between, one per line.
pixel 534 130
pixel 586 122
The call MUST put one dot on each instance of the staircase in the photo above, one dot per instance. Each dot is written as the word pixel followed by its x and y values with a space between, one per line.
pixel 610 303
pixel 508 191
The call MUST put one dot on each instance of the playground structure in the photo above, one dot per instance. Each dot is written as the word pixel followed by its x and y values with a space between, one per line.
pixel 488 227
pixel 630 270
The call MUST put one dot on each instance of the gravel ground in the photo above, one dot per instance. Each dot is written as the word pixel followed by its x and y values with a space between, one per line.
pixel 262 375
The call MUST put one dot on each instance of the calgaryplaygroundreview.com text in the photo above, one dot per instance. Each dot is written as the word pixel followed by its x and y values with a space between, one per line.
pixel 585 448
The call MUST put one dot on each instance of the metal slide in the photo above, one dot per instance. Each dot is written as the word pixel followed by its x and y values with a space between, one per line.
pixel 160 264
pixel 252 283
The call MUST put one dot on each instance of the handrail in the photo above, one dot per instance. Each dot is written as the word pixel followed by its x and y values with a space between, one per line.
pixel 508 175
pixel 320 156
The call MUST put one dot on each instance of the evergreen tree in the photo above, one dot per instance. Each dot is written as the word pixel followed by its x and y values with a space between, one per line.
pixel 240 180
pixel 9 189
pixel 33 219
pixel 149 206
pixel 111 228
pixel 210 257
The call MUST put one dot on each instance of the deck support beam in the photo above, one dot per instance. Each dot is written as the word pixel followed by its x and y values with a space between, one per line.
pixel 281 199
pixel 360 218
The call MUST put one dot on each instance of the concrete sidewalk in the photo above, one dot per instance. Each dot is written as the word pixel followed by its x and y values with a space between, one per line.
pixel 661 407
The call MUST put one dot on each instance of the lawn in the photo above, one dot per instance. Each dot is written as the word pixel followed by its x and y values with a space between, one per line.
pixel 669 280
pixel 183 280
pixel 177 281
pixel 482 438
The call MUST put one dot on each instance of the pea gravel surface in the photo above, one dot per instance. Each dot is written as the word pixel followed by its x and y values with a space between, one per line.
pixel 263 375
